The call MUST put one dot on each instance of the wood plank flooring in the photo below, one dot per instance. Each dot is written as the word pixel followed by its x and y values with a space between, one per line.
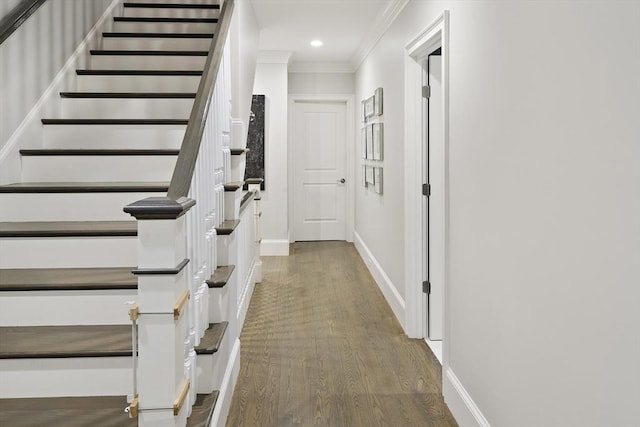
pixel 321 347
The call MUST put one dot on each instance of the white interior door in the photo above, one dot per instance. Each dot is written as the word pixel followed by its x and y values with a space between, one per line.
pixel 435 202
pixel 319 170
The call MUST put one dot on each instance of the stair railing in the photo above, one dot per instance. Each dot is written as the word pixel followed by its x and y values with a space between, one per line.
pixel 176 252
pixel 18 16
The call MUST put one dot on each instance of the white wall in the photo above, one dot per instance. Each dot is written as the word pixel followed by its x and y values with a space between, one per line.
pixel 544 207
pixel 271 81
pixel 244 34
pixel 322 83
pixel 30 60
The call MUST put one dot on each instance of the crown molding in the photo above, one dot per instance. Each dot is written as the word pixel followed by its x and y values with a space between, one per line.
pixel 321 67
pixel 377 30
pixel 273 57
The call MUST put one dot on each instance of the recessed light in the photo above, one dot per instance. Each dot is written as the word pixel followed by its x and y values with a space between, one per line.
pixel 316 43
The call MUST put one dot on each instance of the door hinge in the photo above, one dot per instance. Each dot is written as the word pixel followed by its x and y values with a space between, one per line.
pixel 426 92
pixel 426 287
pixel 426 190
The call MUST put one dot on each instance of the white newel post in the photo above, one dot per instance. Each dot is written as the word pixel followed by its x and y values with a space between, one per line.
pixel 163 294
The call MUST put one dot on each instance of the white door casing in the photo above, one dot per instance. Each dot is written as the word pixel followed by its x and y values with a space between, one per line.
pixel 319 146
pixel 416 51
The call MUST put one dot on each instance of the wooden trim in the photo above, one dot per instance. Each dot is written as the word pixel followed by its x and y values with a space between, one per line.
pixel 158 35
pixel 178 122
pixel 179 307
pixel 180 398
pixel 102 52
pixel 246 200
pixel 98 152
pixel 149 271
pixel 133 407
pixel 17 17
pixel 159 208
pixel 134 312
pixel 233 186
pixel 129 95
pixel 183 171
pixel 195 73
pixel 172 5
pixel 165 20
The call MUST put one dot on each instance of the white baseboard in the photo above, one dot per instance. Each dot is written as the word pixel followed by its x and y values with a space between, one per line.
pixel 245 296
pixel 390 292
pixel 460 403
pixel 274 247
pixel 221 411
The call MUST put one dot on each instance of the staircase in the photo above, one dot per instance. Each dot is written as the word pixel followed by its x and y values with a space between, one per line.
pixel 83 331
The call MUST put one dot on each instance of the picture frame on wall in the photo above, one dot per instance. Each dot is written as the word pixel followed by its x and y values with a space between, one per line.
pixel 369 107
pixel 377 178
pixel 369 174
pixel 378 100
pixel 369 138
pixel 363 115
pixel 364 176
pixel 377 145
pixel 363 142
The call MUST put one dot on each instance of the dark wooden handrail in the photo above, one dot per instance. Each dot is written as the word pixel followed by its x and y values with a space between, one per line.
pixel 10 23
pixel 185 164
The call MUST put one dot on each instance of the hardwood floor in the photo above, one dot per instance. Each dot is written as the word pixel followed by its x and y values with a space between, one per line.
pixel 321 347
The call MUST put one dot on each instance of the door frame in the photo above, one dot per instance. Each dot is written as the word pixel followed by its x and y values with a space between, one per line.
pixel 434 36
pixel 349 101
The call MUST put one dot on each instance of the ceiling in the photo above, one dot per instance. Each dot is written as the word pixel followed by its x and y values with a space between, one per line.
pixel 344 26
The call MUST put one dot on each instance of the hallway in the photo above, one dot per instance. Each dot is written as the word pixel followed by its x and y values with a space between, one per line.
pixel 320 346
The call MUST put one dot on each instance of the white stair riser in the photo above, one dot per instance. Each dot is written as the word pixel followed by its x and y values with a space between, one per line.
pixel 170 13
pixel 159 27
pixel 97 168
pixel 105 83
pixel 219 304
pixel 163 43
pixel 113 136
pixel 90 376
pixel 66 252
pixel 211 367
pixel 238 166
pixel 43 308
pixel 147 62
pixel 125 108
pixel 68 206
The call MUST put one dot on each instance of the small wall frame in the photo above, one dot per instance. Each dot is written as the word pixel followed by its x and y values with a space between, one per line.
pixel 377 135
pixel 377 178
pixel 378 101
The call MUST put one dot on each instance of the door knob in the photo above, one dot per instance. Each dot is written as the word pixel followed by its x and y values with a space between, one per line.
pixel 342 181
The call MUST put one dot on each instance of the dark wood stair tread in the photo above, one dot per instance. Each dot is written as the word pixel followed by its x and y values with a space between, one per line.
pixel 239 151
pixel 115 121
pixel 150 95
pixel 29 342
pixel 210 342
pixel 85 187
pixel 69 229
pixel 103 52
pixel 97 411
pixel 218 279
pixel 139 72
pixel 67 279
pixel 158 35
pixel 227 227
pixel 203 410
pixel 172 5
pixel 98 152
pixel 233 186
pixel 165 20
